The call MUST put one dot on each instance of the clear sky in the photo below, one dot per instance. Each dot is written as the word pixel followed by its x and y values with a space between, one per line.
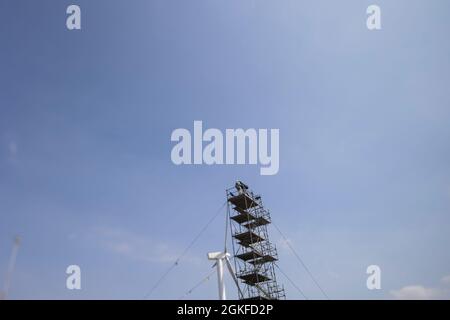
pixel 86 117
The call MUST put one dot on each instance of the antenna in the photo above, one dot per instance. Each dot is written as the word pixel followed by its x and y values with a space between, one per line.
pixel 12 263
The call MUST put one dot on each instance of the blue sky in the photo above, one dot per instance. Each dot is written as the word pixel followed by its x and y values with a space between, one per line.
pixel 86 117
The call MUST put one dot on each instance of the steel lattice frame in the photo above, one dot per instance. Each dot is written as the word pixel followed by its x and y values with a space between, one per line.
pixel 253 254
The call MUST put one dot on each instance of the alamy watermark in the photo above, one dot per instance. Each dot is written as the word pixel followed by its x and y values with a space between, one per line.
pixel 373 21
pixel 73 21
pixel 235 146
pixel 374 279
pixel 73 281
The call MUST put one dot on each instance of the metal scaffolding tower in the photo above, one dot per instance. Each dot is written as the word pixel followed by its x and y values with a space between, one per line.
pixel 254 254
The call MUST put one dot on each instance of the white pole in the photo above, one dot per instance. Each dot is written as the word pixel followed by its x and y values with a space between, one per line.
pixel 222 295
pixel 219 257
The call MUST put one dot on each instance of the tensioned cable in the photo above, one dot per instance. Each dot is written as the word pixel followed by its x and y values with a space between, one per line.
pixel 301 261
pixel 164 275
pixel 205 279
pixel 292 282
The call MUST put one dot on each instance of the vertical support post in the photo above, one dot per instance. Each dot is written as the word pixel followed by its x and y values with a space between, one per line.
pixel 222 294
pixel 219 258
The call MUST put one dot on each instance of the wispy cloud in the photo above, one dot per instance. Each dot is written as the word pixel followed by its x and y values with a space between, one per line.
pixel 446 280
pixel 419 292
pixel 13 150
pixel 137 247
